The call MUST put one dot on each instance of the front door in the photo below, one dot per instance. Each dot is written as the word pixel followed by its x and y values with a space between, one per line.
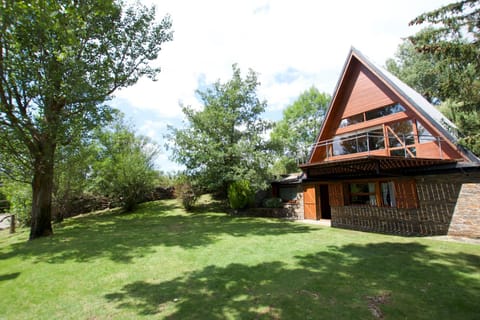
pixel 309 203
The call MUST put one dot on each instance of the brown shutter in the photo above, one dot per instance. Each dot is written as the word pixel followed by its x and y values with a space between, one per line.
pixel 335 195
pixel 406 194
pixel 309 203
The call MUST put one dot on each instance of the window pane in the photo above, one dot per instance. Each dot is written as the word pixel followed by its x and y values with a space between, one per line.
pixel 288 194
pixel 351 120
pixel 388 194
pixel 363 193
pixel 376 139
pixel 403 134
pixel 361 199
pixel 384 111
pixel 423 134
pixel 363 142
pixel 360 188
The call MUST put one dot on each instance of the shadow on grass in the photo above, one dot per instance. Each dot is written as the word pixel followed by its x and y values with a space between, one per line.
pixel 345 282
pixel 9 276
pixel 124 236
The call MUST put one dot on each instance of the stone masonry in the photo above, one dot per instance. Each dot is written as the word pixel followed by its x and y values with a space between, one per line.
pixel 449 204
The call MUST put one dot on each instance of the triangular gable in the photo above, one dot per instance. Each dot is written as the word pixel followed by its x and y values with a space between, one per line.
pixel 364 86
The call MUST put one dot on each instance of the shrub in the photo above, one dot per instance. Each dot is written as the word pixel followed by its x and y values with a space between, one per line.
pixel 186 192
pixel 19 195
pixel 240 194
pixel 273 203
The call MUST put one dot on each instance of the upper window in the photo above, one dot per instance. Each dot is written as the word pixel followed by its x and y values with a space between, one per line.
pixel 385 111
pixel 372 114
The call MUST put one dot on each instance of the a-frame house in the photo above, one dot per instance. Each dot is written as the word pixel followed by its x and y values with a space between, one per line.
pixel 386 160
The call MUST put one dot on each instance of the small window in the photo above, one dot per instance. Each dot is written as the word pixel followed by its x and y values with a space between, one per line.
pixel 384 111
pixel 288 194
pixel 363 194
pixel 352 120
pixel 372 193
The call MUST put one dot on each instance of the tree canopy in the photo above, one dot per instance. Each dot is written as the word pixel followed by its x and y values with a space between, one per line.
pixel 59 61
pixel 442 63
pixel 295 133
pixel 224 141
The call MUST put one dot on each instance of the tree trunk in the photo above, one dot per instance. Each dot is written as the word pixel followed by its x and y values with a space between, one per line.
pixel 42 188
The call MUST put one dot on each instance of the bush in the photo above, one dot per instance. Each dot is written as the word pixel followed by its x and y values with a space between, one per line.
pixel 19 195
pixel 273 203
pixel 240 194
pixel 186 192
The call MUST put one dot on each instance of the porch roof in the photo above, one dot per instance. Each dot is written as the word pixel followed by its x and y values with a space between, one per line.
pixel 369 166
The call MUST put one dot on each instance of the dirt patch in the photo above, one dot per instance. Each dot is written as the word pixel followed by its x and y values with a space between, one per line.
pixel 374 303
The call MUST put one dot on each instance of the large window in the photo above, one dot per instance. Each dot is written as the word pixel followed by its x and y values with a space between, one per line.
pixel 401 139
pixel 359 142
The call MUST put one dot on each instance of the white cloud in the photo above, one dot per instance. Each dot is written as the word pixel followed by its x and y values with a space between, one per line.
pixel 306 41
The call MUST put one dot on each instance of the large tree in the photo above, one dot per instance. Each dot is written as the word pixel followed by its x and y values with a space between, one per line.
pixel 59 61
pixel 295 133
pixel 453 41
pixel 224 142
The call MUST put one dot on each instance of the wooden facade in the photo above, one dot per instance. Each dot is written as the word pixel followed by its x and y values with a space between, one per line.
pixel 378 140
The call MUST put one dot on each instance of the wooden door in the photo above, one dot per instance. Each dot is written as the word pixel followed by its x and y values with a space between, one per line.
pixel 309 203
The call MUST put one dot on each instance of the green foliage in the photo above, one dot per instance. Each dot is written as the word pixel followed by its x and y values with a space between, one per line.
pixel 185 190
pixel 240 194
pixel 59 62
pixel 419 70
pixel 452 42
pixel 224 141
pixel 125 170
pixel 19 195
pixel 4 204
pixel 273 203
pixel 294 135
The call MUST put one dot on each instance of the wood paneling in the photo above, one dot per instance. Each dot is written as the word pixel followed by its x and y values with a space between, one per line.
pixel 367 93
pixel 335 194
pixel 406 194
pixel 309 203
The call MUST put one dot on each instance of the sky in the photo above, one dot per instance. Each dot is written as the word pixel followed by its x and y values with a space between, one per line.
pixel 291 45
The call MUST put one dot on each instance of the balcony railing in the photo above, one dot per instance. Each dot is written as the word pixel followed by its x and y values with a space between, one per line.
pixel 395 145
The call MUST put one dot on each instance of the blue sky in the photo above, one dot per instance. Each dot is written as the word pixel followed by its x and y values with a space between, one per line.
pixel 292 45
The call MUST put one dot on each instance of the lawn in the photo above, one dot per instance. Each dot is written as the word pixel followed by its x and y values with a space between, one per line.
pixel 161 262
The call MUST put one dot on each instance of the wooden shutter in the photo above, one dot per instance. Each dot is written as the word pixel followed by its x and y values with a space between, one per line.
pixel 406 194
pixel 335 195
pixel 309 203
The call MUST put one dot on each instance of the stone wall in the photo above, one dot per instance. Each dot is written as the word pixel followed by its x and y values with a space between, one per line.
pixel 448 204
pixel 466 217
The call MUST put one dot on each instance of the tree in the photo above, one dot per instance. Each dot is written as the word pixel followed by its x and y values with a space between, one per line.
pixel 224 141
pixel 453 41
pixel 419 70
pixel 124 169
pixel 298 129
pixel 59 62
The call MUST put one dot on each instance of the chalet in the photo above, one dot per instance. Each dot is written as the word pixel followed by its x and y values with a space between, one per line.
pixel 386 160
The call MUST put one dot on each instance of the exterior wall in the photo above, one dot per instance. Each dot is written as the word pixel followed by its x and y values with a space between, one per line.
pixel 448 204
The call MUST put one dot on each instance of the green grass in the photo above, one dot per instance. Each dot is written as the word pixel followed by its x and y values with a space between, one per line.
pixel 161 262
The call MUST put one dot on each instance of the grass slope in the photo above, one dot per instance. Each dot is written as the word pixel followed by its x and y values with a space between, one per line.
pixel 161 262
